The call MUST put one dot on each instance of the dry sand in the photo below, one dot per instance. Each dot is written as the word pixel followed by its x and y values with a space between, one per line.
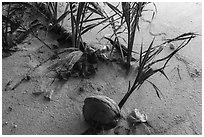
pixel 179 112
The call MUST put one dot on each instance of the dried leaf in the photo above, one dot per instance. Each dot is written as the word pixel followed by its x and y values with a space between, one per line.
pixel 136 117
pixel 67 61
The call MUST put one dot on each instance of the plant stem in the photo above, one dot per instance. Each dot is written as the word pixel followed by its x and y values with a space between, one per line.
pixel 116 37
pixel 124 99
pixel 67 6
pixel 73 25
pixel 6 31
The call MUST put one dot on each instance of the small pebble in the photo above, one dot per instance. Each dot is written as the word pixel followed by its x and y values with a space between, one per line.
pixel 5 123
pixel 171 46
pixel 98 88
pixel 10 108
pixel 15 126
pixel 28 77
pixel 81 89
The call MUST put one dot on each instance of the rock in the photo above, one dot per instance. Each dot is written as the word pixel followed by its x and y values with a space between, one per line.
pixel 171 46
pixel 48 95
pixel 101 111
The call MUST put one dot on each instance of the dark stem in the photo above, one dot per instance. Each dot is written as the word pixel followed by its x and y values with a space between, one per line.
pixel 72 24
pixel 124 99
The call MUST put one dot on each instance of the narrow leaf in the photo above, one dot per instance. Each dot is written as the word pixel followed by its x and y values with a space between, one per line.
pixel 158 92
pixel 163 73
pixel 114 8
pixel 145 59
pixel 62 17
pixel 94 19
pixel 97 8
pixel 96 24
pixel 88 27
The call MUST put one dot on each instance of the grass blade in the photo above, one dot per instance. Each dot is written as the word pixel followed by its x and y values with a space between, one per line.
pixel 55 10
pixel 126 13
pixel 163 73
pixel 61 18
pixel 72 24
pixel 94 19
pixel 78 20
pixel 96 9
pixel 114 8
pixel 65 10
pixel 158 92
pixel 128 86
pixel 96 24
pixel 140 62
pixel 87 28
pixel 145 59
pixel 109 24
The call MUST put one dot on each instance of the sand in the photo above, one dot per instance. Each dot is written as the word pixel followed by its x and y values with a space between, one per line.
pixel 178 113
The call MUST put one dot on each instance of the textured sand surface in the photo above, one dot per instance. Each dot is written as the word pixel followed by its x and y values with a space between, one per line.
pixel 179 112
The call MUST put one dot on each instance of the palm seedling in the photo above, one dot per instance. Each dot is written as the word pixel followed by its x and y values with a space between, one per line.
pixel 126 22
pixel 14 31
pixel 146 62
pixel 49 10
pixel 78 58
pixel 132 12
pixel 70 57
pixel 8 28
pixel 103 113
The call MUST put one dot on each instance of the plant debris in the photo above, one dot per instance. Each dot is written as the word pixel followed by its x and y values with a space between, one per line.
pixel 7 86
pixel 192 69
pixel 171 46
pixel 136 117
pixel 48 95
pixel 37 93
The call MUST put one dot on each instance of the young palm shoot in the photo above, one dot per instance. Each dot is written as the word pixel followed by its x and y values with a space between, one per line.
pixel 128 17
pixel 131 13
pixel 101 112
pixel 146 62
